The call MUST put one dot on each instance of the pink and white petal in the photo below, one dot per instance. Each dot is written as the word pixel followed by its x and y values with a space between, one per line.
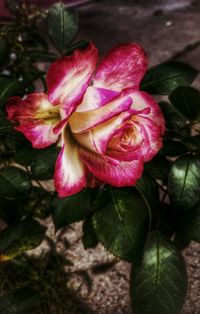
pixel 123 67
pixel 95 98
pixel 83 121
pixel 70 172
pixel 96 139
pixel 69 77
pixel 143 100
pixel 36 118
pixel 117 174
pixel 152 138
pixel 127 152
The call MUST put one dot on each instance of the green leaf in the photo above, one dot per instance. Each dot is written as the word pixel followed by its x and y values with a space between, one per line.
pixel 148 188
pixel 159 284
pixel 122 223
pixel 9 87
pixel 158 168
pixel 174 120
pixel 173 148
pixel 184 182
pixel 62 25
pixel 164 78
pixel 186 100
pixel 7 130
pixel 40 55
pixel 14 182
pixel 20 301
pixel 89 238
pixel 71 209
pixel 43 166
pixel 21 237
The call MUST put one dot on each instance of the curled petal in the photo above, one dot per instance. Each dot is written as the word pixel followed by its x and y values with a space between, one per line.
pixel 123 67
pixel 141 101
pixel 127 151
pixel 70 176
pixel 69 77
pixel 96 97
pixel 96 139
pixel 82 121
pixel 111 171
pixel 152 138
pixel 36 118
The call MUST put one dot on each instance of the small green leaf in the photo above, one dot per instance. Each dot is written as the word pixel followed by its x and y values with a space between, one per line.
pixel 186 100
pixel 184 182
pixel 62 25
pixel 174 119
pixel 21 237
pixel 164 78
pixel 7 130
pixel 43 166
pixel 173 148
pixel 158 168
pixel 89 238
pixel 71 209
pixel 9 87
pixel 20 301
pixel 122 223
pixel 40 55
pixel 159 284
pixel 14 182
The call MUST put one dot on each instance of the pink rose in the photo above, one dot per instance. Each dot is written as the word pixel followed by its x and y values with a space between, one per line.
pixel 107 127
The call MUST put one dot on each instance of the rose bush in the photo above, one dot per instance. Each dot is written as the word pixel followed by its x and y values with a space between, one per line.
pixel 95 124
pixel 107 127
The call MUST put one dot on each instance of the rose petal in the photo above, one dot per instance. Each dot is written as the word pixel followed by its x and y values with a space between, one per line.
pixel 82 121
pixel 122 68
pixel 36 117
pixel 95 98
pixel 142 100
pixel 152 138
pixel 70 174
pixel 97 138
pixel 117 174
pixel 69 77
pixel 117 149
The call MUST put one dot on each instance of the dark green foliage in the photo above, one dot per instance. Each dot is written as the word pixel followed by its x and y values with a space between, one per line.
pixel 14 182
pixel 20 237
pixel 164 78
pixel 20 301
pixel 159 283
pixel 71 209
pixel 62 25
pixel 122 224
